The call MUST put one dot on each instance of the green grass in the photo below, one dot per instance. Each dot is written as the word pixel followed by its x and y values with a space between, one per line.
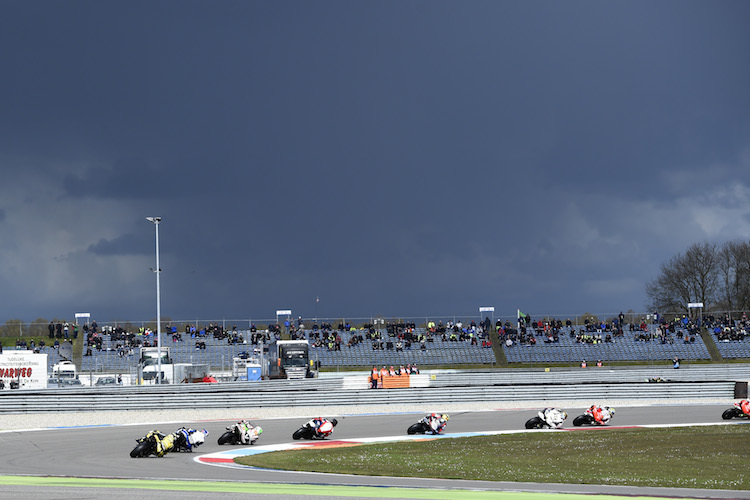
pixel 690 457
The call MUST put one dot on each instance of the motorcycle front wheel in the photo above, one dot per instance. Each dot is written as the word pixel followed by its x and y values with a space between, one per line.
pixel 534 423
pixel 417 428
pixel 227 437
pixel 302 432
pixel 581 419
pixel 141 450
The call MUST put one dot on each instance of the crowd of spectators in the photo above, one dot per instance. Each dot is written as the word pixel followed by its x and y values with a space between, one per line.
pixel 405 335
pixel 726 329
pixel 530 333
pixel 396 336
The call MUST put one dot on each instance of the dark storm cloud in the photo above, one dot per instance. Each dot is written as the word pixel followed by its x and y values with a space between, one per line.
pixel 127 178
pixel 400 157
pixel 124 245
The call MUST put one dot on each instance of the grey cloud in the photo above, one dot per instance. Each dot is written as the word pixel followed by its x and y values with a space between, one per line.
pixel 126 244
pixel 385 157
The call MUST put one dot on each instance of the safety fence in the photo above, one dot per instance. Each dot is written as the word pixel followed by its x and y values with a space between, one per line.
pixel 442 388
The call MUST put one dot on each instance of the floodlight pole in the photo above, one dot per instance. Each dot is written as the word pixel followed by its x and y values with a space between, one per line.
pixel 156 221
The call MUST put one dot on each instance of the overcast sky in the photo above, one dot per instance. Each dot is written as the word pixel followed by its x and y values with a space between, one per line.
pixel 404 158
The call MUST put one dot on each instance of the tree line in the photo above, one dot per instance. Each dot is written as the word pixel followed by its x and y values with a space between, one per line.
pixel 717 275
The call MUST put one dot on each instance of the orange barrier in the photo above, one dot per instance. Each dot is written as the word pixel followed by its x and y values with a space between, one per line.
pixel 398 382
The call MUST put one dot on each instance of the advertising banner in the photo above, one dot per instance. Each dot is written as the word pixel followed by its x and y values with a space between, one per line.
pixel 25 368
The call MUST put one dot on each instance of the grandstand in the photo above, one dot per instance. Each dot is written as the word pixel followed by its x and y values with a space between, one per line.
pixel 218 354
pixel 734 348
pixel 436 350
pixel 625 348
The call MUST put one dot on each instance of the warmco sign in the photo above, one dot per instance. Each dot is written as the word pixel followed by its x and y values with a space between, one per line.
pixel 24 367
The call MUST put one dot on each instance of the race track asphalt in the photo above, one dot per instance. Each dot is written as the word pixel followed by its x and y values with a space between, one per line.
pixel 102 452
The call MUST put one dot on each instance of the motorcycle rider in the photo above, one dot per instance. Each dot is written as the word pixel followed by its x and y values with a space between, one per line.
pixel 554 417
pixel 246 431
pixel 745 407
pixel 193 438
pixel 437 421
pixel 599 412
pixel 317 422
pixel 164 443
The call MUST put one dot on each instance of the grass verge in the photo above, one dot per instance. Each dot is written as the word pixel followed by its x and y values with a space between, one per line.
pixel 712 457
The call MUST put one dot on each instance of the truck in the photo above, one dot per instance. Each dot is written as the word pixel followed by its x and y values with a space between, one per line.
pixel 148 364
pixel 290 359
pixel 64 370
pixel 171 372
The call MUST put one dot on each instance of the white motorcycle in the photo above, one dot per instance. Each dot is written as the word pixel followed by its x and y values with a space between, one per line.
pixel 548 418
pixel 243 432
pixel 187 439
pixel 431 424
pixel 316 428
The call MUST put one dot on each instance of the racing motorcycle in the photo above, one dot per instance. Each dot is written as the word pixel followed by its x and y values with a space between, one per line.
pixel 243 432
pixel 595 415
pixel 431 424
pixel 548 418
pixel 186 439
pixel 153 443
pixel 316 428
pixel 737 411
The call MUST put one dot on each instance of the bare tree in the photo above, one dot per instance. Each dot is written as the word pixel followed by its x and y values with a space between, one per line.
pixel 734 275
pixel 688 277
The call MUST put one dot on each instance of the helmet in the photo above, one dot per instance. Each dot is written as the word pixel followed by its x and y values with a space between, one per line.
pixel 334 422
pixel 611 411
pixel 445 417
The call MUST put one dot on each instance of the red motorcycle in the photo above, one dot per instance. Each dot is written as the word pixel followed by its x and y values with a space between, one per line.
pixel 740 410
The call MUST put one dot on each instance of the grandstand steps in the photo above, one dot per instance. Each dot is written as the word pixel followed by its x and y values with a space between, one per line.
pixel 711 345
pixel 497 348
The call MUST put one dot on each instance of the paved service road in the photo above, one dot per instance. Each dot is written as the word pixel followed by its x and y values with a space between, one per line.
pixel 103 452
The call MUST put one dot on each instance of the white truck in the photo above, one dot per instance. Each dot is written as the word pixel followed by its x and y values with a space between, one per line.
pixel 148 364
pixel 171 373
pixel 64 370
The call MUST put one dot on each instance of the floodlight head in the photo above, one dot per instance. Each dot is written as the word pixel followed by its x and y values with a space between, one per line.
pixel 155 220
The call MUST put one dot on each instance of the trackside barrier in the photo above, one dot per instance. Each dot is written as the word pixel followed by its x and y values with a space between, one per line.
pixel 740 390
pixel 698 373
pixel 264 394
